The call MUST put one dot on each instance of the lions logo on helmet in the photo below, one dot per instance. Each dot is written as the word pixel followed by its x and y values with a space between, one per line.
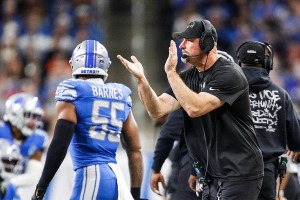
pixel 90 57
pixel 22 109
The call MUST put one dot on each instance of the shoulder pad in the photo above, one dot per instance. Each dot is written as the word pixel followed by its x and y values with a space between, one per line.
pixel 5 131
pixel 37 141
pixel 66 90
pixel 43 134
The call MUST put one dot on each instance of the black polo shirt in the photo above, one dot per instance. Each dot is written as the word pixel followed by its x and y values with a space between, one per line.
pixel 225 134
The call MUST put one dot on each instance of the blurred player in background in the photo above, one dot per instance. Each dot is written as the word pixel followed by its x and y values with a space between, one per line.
pixel 22 142
pixel 93 117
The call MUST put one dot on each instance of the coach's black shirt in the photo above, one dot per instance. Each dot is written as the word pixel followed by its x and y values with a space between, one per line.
pixel 225 134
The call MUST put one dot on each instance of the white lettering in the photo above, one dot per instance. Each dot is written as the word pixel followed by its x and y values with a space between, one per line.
pixel 100 92
pixel 120 93
pixel 105 91
pixel 264 108
pixel 95 92
pixel 115 93
pixel 111 93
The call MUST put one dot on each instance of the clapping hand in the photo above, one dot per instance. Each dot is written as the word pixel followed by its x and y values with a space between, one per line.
pixel 172 60
pixel 134 67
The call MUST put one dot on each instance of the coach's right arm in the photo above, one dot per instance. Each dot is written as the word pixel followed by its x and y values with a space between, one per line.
pixel 156 106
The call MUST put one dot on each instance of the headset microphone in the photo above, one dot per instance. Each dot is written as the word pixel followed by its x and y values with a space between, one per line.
pixel 185 56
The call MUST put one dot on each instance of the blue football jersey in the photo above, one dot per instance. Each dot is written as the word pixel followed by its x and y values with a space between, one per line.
pixel 37 141
pixel 101 110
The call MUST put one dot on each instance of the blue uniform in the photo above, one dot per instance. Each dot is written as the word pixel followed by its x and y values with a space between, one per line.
pixel 101 110
pixel 28 148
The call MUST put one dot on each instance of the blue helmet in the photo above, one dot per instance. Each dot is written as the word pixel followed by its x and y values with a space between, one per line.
pixel 90 58
pixel 21 109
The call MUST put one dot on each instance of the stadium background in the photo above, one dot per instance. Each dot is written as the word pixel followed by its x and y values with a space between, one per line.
pixel 38 36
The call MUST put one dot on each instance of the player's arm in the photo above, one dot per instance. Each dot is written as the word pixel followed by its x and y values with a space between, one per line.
pixel 131 143
pixel 63 133
pixel 156 106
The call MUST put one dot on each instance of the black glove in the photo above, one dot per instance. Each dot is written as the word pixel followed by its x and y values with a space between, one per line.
pixel 38 194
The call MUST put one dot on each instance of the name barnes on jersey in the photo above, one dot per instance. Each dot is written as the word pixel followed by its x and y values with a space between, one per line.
pixel 107 92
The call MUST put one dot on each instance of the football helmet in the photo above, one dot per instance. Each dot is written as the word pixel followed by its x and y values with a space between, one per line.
pixel 225 55
pixel 11 162
pixel 90 57
pixel 22 109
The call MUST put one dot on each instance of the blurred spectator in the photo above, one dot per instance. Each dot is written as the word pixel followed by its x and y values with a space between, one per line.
pixel 9 15
pixel 58 69
pixel 61 38
pixel 85 27
pixel 188 13
pixel 237 21
pixel 34 44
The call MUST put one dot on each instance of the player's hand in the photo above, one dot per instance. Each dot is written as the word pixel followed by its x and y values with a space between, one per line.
pixel 192 183
pixel 155 179
pixel 135 68
pixel 38 194
pixel 172 60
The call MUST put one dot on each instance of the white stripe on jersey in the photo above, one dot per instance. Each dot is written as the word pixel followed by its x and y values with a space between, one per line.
pixel 83 183
pixel 70 86
pixel 98 177
pixel 90 184
pixel 71 98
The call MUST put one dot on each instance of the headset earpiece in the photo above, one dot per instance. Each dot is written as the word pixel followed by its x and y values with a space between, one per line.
pixel 268 58
pixel 267 62
pixel 207 41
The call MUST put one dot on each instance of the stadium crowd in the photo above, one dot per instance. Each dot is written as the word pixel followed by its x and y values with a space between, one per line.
pixel 237 21
pixel 37 39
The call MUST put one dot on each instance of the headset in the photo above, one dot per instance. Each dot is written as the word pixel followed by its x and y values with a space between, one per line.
pixel 206 40
pixel 267 61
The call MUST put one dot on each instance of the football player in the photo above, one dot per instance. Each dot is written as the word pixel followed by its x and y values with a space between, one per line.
pixel 22 142
pixel 93 117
